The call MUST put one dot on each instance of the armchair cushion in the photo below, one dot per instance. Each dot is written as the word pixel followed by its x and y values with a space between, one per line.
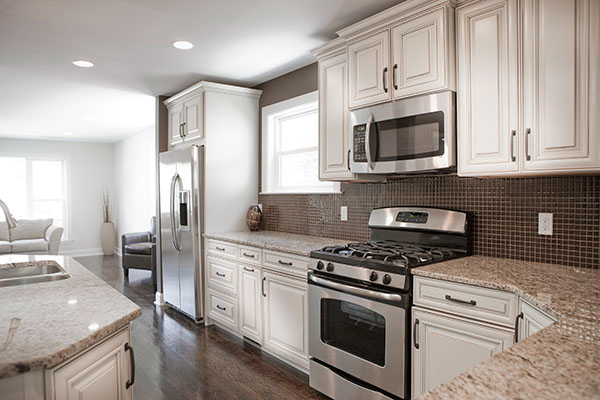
pixel 30 229
pixel 139 248
pixel 29 245
pixel 4 246
pixel 138 237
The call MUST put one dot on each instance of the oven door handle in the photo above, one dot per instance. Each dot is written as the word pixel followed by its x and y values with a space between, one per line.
pixel 353 290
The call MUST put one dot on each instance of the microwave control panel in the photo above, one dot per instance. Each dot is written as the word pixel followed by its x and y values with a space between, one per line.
pixel 360 153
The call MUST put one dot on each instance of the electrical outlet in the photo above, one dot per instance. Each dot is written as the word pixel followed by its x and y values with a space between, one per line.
pixel 344 213
pixel 545 224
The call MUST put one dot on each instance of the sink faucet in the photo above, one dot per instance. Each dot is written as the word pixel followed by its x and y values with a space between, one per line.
pixel 9 218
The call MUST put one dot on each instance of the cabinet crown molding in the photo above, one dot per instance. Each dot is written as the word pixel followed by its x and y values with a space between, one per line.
pixel 330 48
pixel 205 86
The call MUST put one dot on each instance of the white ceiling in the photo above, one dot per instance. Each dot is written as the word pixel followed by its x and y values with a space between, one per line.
pixel 243 42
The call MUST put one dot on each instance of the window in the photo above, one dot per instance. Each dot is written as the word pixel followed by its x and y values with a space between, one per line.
pixel 290 158
pixel 35 188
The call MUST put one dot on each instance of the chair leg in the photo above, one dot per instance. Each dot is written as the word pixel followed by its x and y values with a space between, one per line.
pixel 126 272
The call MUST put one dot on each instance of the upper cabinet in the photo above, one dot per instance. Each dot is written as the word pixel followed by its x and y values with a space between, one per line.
pixel 369 72
pixel 539 117
pixel 186 120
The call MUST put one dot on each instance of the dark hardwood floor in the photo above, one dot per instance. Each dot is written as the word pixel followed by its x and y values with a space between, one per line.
pixel 176 359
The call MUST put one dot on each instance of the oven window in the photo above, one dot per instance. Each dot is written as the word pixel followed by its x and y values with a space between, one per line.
pixel 354 329
pixel 417 136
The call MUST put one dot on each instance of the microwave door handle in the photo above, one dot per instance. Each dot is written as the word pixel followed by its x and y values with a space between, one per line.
pixel 368 140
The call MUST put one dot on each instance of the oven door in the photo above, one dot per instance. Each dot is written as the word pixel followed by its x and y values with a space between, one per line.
pixel 405 136
pixel 359 331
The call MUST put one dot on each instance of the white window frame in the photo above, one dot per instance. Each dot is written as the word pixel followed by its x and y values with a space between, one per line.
pixel 272 116
pixel 66 186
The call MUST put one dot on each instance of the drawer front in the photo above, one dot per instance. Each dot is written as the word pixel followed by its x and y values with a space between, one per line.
pixel 249 254
pixel 223 309
pixel 221 248
pixel 475 302
pixel 286 263
pixel 222 272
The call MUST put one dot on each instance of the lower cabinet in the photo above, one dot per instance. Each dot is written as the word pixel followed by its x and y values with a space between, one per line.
pixel 285 307
pixel 250 302
pixel 102 373
pixel 532 320
pixel 444 346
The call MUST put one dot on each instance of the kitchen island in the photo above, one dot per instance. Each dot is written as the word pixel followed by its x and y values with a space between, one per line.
pixel 64 338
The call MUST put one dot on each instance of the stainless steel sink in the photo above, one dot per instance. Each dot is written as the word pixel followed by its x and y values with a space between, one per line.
pixel 26 273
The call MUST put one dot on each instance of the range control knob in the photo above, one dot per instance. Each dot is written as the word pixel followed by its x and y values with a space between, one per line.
pixel 387 279
pixel 320 265
pixel 373 276
pixel 329 267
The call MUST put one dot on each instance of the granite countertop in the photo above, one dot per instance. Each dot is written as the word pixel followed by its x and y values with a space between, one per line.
pixel 279 241
pixel 561 361
pixel 44 324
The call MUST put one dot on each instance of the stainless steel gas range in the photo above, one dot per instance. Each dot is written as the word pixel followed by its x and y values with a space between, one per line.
pixel 360 298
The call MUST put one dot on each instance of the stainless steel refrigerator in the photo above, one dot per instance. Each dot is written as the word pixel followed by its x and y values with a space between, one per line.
pixel 181 229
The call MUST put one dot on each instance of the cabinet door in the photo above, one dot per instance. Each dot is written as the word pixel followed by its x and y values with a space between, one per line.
pixel 334 134
pixel 418 51
pixel 175 124
pixel 193 125
pixel 250 303
pixel 99 374
pixel 487 88
pixel 534 320
pixel 448 346
pixel 369 70
pixel 561 82
pixel 285 313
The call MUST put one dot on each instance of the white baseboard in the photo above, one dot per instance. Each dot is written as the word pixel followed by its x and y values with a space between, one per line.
pixel 159 299
pixel 81 253
pixel 118 251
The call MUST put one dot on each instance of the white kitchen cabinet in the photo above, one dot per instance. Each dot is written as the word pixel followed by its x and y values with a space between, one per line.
pixel 445 346
pixel 334 131
pixel 250 302
pixel 423 53
pixel 194 120
pixel 176 118
pixel 487 98
pixel 561 82
pixel 368 61
pixel 531 320
pixel 285 317
pixel 104 372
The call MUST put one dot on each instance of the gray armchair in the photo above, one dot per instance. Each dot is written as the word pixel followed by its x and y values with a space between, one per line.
pixel 138 251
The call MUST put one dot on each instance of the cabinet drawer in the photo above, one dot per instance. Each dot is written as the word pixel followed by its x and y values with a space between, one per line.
pixel 249 254
pixel 470 301
pixel 222 272
pixel 286 263
pixel 223 309
pixel 221 248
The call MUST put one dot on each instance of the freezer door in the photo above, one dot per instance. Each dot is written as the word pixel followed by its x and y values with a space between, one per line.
pixel 168 235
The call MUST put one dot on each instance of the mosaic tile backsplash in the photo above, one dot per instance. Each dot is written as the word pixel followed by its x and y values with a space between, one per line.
pixel 505 213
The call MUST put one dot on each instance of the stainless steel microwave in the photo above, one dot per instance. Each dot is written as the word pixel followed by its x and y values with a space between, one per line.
pixel 412 135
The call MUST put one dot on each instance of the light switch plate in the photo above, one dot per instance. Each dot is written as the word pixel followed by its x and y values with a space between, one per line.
pixel 545 224
pixel 344 213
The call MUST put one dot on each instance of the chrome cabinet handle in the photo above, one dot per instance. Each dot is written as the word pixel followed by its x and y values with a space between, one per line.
pixel 248 269
pixel 289 264
pixel 368 140
pixel 527 133
pixel 130 382
pixel 220 248
pixel 520 316
pixel 221 308
pixel 512 146
pixel 394 77
pixel 385 89
pixel 263 287
pixel 181 131
pixel 220 274
pixel 248 255
pixel 469 302
pixel 415 327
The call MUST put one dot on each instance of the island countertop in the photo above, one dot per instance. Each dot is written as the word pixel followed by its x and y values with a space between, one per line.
pixel 559 362
pixel 44 324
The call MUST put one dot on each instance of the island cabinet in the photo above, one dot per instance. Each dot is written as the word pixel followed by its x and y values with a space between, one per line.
pixel 260 295
pixel 531 320
pixel 528 77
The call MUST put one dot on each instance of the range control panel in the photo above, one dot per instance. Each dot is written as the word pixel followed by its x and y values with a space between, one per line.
pixel 360 153
pixel 412 217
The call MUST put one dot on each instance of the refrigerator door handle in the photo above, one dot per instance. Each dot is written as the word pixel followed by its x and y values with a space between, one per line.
pixel 174 227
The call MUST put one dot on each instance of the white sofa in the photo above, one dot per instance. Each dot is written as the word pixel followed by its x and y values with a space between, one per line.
pixel 30 236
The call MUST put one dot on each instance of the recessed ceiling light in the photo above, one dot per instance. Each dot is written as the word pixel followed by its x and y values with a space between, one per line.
pixel 182 45
pixel 67 133
pixel 83 63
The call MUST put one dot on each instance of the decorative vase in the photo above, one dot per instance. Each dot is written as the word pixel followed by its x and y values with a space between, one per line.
pixel 107 235
pixel 254 218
